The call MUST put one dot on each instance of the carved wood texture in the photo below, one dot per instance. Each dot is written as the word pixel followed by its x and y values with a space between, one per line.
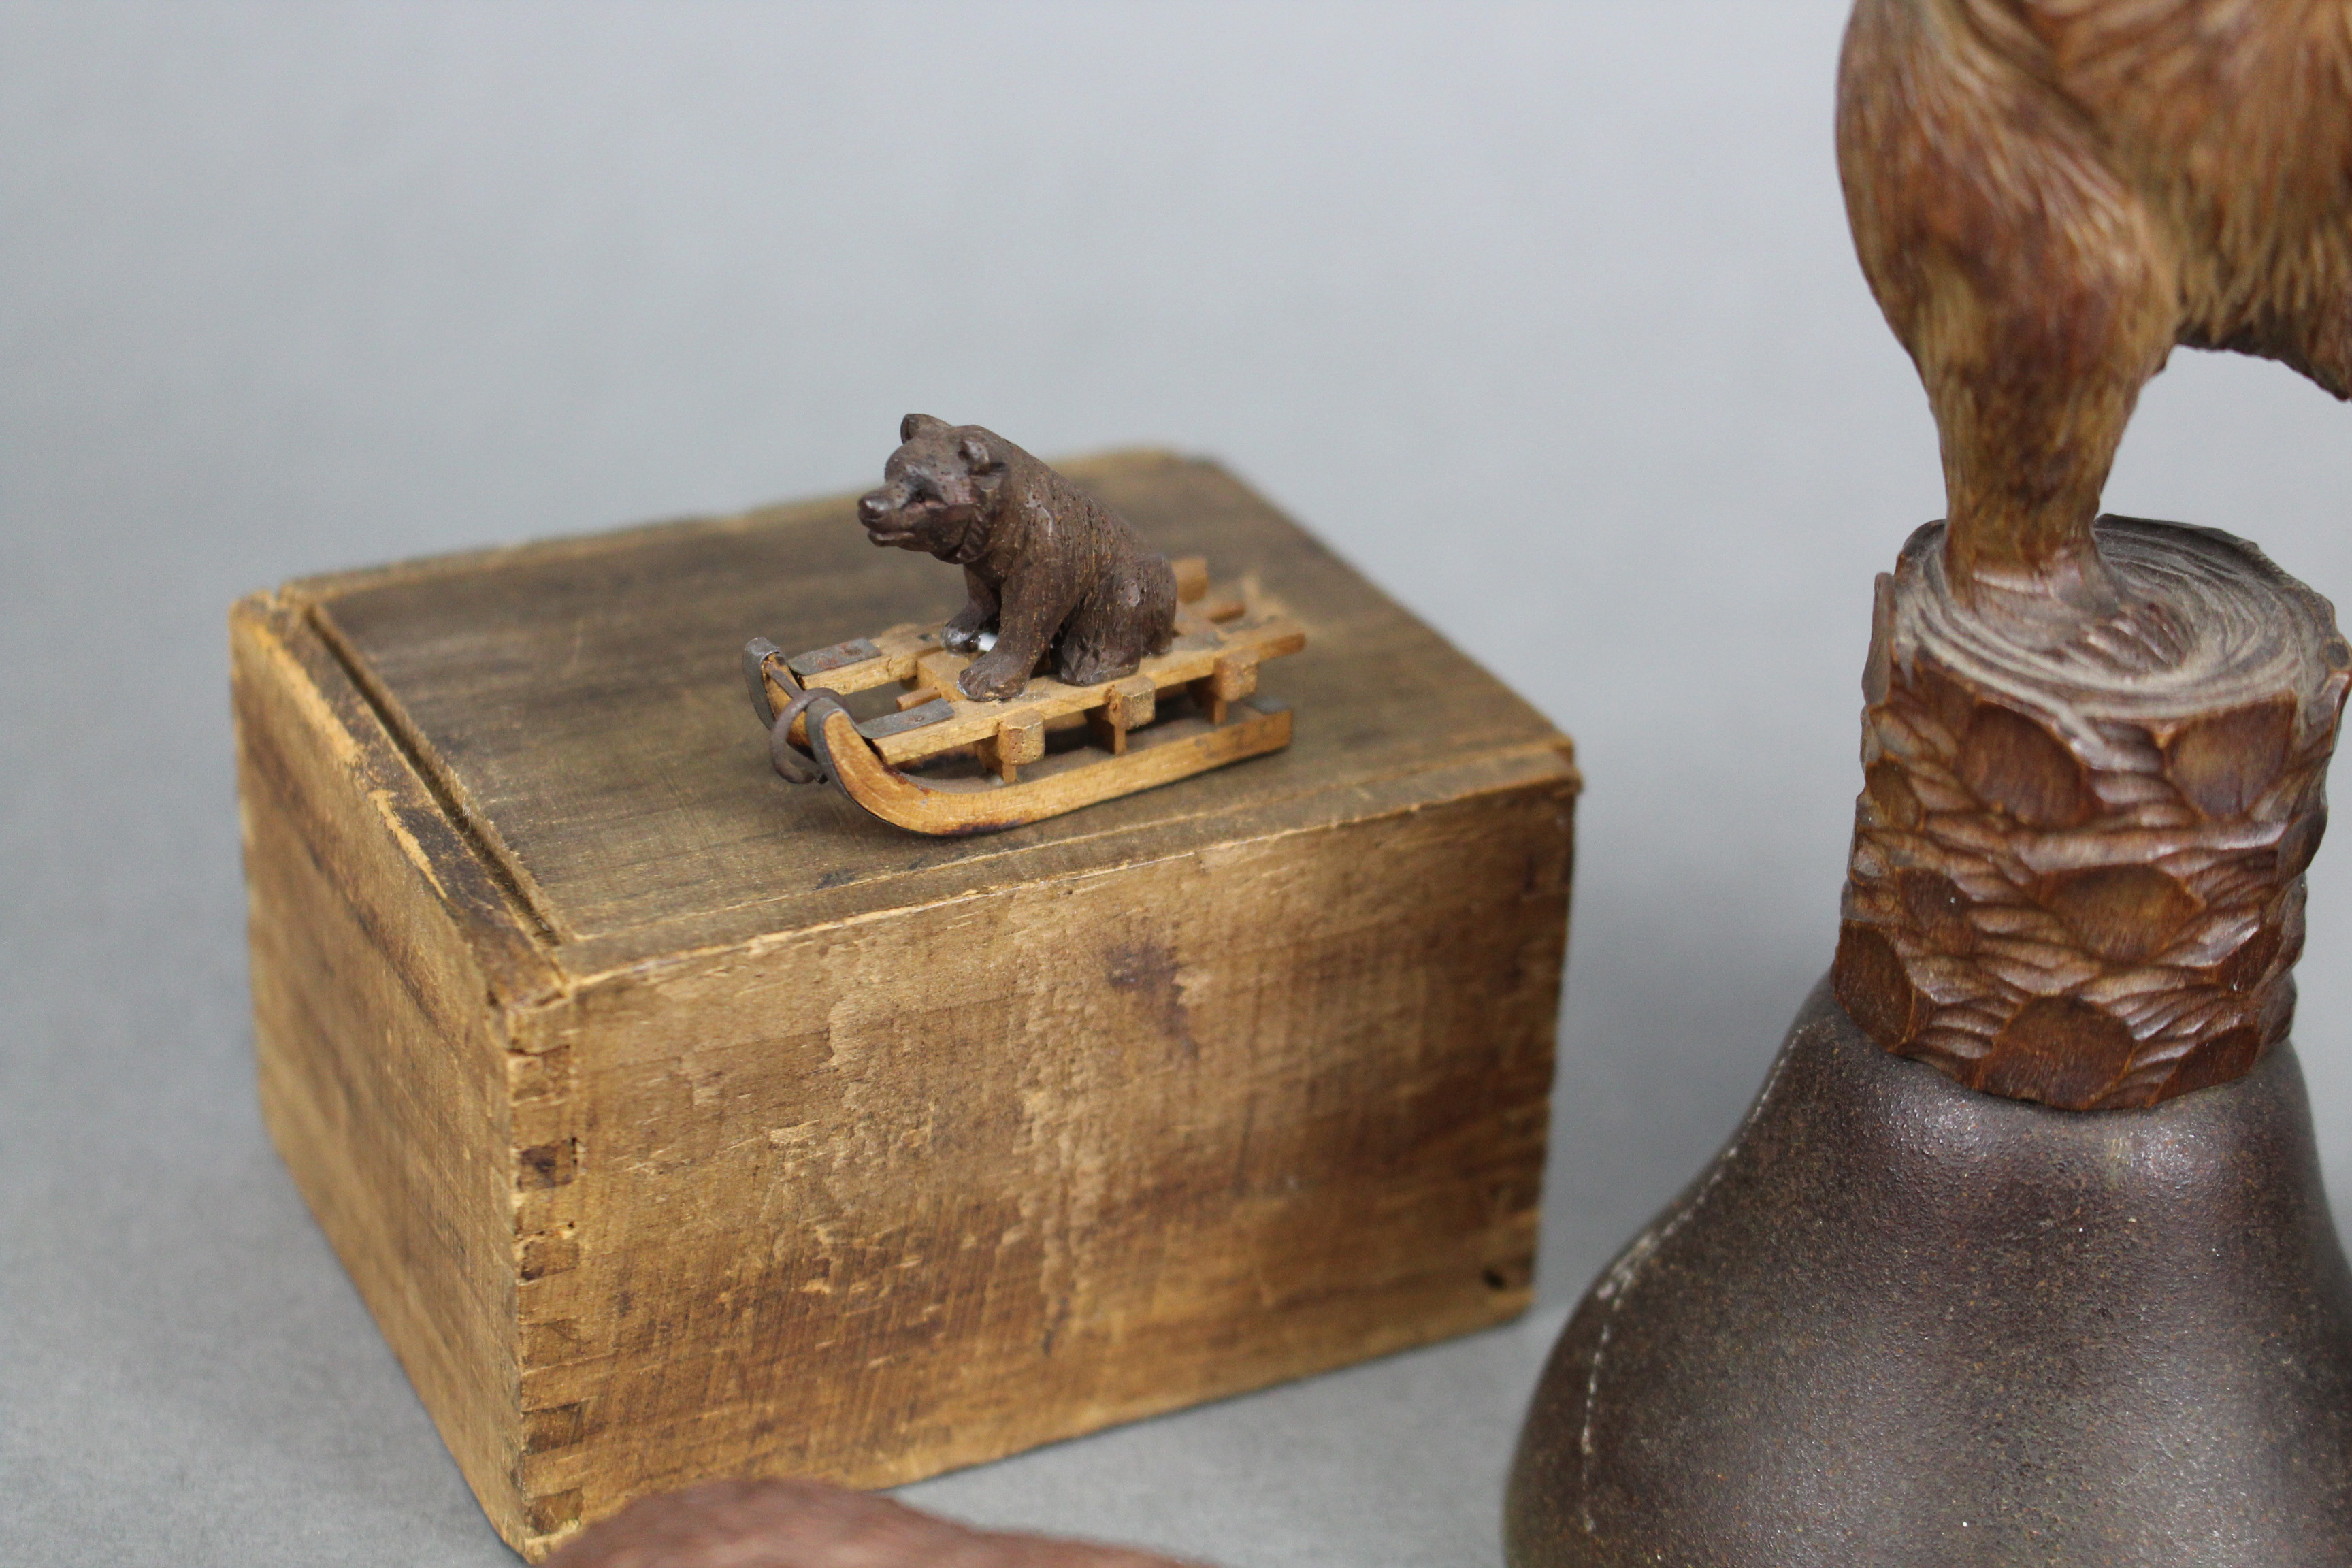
pixel 2078 855
pixel 677 1123
pixel 2047 195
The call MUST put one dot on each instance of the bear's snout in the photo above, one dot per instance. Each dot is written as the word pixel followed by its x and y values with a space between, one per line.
pixel 873 507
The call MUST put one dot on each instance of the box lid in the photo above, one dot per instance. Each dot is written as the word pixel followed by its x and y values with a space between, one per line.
pixel 579 706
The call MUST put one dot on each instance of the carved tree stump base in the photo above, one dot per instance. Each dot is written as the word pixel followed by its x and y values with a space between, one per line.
pixel 2078 858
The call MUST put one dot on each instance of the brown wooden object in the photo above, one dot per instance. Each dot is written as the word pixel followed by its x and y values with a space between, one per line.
pixel 2095 774
pixel 677 1123
pixel 2078 868
pixel 1049 569
pixel 808 1524
pixel 1897 1322
pixel 940 763
pixel 2048 195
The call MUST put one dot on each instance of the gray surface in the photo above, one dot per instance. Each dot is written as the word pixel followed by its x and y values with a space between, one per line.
pixel 1544 316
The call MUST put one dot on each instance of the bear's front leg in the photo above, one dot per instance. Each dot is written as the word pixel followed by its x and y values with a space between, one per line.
pixel 1030 614
pixel 999 673
pixel 962 633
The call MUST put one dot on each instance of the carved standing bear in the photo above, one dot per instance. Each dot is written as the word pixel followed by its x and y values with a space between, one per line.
pixel 1046 565
pixel 2048 195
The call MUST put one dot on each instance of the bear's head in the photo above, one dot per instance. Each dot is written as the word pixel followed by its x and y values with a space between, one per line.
pixel 938 491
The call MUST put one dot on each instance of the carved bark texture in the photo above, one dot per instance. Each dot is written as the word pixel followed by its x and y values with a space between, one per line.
pixel 2078 855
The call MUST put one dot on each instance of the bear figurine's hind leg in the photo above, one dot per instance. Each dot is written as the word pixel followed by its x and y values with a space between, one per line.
pixel 1119 626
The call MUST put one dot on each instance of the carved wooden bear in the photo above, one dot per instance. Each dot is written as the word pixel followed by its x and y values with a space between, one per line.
pixel 2048 195
pixel 1046 565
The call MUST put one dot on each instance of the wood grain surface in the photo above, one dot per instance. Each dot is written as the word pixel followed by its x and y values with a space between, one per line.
pixel 677 1123
pixel 388 966
pixel 580 701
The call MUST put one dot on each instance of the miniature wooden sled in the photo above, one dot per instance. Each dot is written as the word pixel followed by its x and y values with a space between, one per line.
pixel 945 764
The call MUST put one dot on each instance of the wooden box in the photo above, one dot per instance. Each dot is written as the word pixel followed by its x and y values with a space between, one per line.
pixel 676 1121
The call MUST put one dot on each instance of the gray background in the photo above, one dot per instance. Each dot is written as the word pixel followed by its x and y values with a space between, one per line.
pixel 1544 316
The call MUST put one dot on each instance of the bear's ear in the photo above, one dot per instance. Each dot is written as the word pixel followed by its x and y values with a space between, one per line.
pixel 912 422
pixel 979 458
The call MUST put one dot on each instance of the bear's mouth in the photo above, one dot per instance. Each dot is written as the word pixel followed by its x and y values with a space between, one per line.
pixel 902 525
pixel 936 528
